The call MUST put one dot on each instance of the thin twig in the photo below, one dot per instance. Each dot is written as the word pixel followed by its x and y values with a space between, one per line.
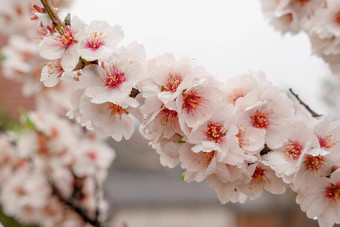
pixel 57 22
pixel 134 92
pixel 76 209
pixel 313 113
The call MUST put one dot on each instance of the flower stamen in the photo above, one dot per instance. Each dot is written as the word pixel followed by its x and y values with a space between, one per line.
pixel 332 194
pixel 112 77
pixel 172 82
pixel 116 110
pixel 293 150
pixel 215 132
pixel 95 40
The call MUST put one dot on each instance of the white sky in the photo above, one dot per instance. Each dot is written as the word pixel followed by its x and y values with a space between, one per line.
pixel 228 37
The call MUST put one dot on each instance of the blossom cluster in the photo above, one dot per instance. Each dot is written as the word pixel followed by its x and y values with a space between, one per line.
pixel 49 165
pixel 319 19
pixel 22 61
pixel 242 137
pixel 52 170
pixel 15 16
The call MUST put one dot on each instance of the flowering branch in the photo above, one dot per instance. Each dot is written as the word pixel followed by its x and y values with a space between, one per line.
pixel 53 15
pixel 314 114
pixel 68 203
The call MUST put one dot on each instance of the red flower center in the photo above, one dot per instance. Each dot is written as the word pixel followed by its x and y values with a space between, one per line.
pixel 95 40
pixel 205 158
pixel 302 2
pixel 327 142
pixel 333 193
pixel 337 18
pixel 287 18
pixel 116 110
pixel 172 82
pixel 193 102
pixel 66 40
pixel 260 119
pixel 168 117
pixel 259 176
pixel 237 93
pixel 293 150
pixel 314 163
pixel 215 132
pixel 112 77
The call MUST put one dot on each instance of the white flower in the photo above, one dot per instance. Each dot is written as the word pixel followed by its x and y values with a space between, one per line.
pixel 64 46
pixel 245 86
pixel 158 121
pixel 332 17
pixel 321 199
pixel 228 191
pixel 262 178
pixel 51 73
pixel 324 31
pixel 23 192
pixel 53 141
pixel 200 165
pixel 93 159
pixel 22 63
pixel 113 80
pixel 170 77
pixel 168 149
pixel 100 41
pixel 328 133
pixel 107 119
pixel 212 135
pixel 290 15
pixel 267 110
pixel 8 158
pixel 315 163
pixel 286 160
pixel 14 18
pixel 198 102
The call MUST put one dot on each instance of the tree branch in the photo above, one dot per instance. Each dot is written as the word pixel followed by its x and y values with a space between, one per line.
pixel 57 22
pixel 313 113
pixel 68 203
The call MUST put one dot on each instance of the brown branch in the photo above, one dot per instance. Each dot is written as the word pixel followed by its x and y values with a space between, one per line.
pixel 52 13
pixel 313 113
pixel 265 150
pixel 68 203
pixel 134 92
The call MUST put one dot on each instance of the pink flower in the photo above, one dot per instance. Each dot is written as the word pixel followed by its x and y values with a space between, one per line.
pixel 100 41
pixel 64 46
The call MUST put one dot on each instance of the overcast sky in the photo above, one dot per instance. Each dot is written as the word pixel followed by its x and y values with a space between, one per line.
pixel 228 37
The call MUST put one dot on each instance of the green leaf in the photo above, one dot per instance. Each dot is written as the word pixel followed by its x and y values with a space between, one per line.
pixel 181 141
pixel 29 123
pixel 182 176
pixel 67 20
pixel 2 57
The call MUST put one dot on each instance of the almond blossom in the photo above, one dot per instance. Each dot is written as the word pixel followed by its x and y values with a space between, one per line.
pixel 107 119
pixel 100 41
pixel 22 63
pixel 262 178
pixel 287 159
pixel 64 46
pixel 242 137
pixel 321 199
pixel 114 79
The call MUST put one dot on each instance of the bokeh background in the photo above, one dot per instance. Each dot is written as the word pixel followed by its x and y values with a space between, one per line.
pixel 228 37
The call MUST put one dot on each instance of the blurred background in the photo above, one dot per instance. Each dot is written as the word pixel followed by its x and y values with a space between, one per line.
pixel 228 38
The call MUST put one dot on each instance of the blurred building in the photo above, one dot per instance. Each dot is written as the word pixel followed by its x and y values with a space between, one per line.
pixel 142 193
